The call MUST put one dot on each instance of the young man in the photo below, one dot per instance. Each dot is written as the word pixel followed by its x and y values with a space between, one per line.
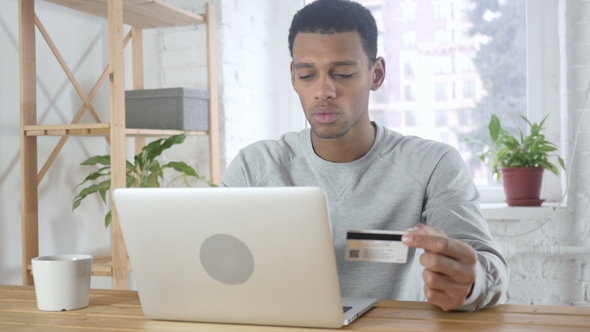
pixel 375 178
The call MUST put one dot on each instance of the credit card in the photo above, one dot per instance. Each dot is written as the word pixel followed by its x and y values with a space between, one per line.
pixel 375 246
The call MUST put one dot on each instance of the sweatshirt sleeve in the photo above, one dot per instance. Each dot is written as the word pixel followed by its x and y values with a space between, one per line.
pixel 236 173
pixel 452 205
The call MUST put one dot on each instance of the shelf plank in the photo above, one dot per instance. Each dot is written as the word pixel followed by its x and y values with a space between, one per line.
pixel 95 129
pixel 161 132
pixel 142 14
pixel 101 129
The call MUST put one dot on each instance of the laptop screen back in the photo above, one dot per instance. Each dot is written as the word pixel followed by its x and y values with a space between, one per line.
pixel 232 255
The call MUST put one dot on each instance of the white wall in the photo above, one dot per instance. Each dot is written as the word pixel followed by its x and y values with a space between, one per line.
pixel 548 276
pixel 255 98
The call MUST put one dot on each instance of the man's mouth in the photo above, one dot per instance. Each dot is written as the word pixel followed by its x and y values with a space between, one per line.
pixel 325 115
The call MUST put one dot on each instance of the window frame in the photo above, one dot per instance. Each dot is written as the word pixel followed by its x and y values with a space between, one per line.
pixel 537 72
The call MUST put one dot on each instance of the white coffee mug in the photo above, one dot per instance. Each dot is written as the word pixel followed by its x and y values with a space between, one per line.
pixel 62 282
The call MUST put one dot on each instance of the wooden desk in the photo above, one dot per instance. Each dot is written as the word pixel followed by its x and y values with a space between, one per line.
pixel 116 310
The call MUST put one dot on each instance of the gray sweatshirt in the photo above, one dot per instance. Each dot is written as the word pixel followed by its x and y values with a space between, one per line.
pixel 401 181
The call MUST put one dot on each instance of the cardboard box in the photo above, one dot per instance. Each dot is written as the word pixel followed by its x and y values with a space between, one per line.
pixel 170 108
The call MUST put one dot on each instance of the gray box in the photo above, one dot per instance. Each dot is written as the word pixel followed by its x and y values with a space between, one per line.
pixel 171 108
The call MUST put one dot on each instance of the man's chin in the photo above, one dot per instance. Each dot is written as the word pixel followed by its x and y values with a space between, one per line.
pixel 327 134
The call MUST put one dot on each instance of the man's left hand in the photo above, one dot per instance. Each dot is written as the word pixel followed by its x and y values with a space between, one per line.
pixel 449 264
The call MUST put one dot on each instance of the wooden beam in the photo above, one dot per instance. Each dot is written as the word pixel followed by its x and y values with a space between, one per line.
pixel 138 78
pixel 214 167
pixel 76 119
pixel 117 106
pixel 66 69
pixel 28 144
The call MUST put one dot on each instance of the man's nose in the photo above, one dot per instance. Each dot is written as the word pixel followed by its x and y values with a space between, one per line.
pixel 325 88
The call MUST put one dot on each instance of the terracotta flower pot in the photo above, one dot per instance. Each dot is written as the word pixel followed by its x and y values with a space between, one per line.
pixel 522 185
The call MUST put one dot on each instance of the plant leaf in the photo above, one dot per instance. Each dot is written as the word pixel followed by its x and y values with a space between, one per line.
pixel 155 148
pixel 102 160
pixel 107 219
pixel 152 180
pixel 494 127
pixel 89 190
pixel 183 168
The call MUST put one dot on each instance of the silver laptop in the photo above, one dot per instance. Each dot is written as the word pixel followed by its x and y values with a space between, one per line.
pixel 235 255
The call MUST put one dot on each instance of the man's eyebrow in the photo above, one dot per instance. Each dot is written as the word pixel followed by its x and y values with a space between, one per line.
pixel 333 64
pixel 303 65
pixel 344 63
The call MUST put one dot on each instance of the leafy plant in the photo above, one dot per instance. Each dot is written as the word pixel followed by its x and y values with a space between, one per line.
pixel 531 151
pixel 146 171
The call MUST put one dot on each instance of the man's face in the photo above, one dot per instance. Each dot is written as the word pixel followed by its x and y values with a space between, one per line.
pixel 331 75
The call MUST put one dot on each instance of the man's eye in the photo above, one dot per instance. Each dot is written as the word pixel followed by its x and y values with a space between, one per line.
pixel 343 75
pixel 304 77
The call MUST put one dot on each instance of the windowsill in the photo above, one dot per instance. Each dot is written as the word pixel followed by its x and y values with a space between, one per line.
pixel 501 211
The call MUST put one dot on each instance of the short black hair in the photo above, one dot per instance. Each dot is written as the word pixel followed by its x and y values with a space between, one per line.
pixel 334 16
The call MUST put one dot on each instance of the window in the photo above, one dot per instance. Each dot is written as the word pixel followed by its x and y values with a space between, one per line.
pixel 410 119
pixel 442 64
pixel 440 37
pixel 408 11
pixel 395 119
pixel 469 89
pixel 464 117
pixel 409 69
pixel 409 93
pixel 438 61
pixel 440 91
pixel 380 43
pixel 377 115
pixel 379 96
pixel 464 63
pixel 377 12
pixel 409 39
pixel 441 118
pixel 440 11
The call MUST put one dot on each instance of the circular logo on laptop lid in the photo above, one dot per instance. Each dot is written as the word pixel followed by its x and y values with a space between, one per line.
pixel 227 259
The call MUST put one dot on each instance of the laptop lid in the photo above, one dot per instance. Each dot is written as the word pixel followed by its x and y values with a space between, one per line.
pixel 233 255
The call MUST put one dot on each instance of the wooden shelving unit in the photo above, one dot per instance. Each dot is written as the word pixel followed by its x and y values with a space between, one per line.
pixel 139 14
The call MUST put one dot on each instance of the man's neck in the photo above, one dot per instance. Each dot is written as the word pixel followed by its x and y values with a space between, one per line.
pixel 350 147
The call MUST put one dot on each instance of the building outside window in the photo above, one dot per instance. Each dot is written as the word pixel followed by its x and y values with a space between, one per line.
pixel 488 49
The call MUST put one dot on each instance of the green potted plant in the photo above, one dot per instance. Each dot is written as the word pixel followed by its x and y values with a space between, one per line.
pixel 146 171
pixel 521 162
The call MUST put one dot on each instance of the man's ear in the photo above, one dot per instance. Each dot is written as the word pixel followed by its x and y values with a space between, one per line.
pixel 378 73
